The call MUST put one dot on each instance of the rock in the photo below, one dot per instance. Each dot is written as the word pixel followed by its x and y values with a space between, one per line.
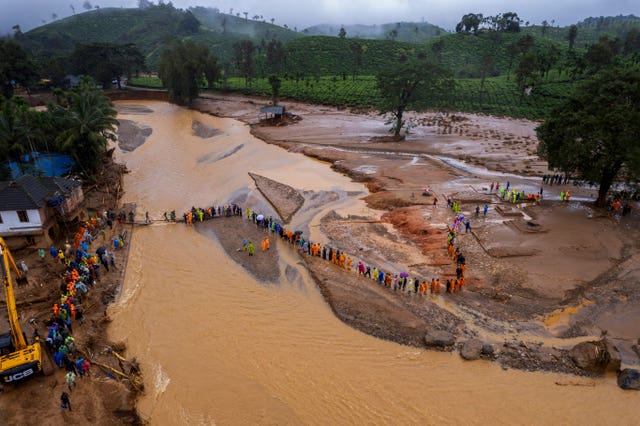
pixel 471 349
pixel 629 378
pixel 591 356
pixel 487 349
pixel 616 359
pixel 439 339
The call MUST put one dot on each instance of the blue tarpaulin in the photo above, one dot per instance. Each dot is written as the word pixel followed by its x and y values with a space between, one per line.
pixel 41 164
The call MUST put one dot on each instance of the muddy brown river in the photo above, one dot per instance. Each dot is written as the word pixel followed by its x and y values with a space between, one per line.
pixel 219 347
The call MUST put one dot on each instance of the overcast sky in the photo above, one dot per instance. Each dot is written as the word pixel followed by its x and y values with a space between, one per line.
pixel 303 13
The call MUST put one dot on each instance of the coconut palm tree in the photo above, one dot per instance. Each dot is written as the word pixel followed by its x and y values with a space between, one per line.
pixel 89 122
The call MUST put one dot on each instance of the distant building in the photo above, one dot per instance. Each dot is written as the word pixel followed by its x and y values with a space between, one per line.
pixel 276 111
pixel 70 81
pixel 32 209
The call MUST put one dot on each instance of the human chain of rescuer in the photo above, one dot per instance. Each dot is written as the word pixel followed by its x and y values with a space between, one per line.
pixel 396 281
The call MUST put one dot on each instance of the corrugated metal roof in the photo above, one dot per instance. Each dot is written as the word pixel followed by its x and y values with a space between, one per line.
pixel 272 109
pixel 28 192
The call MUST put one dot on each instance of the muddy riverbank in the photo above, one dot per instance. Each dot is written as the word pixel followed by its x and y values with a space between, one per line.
pixel 206 327
pixel 520 278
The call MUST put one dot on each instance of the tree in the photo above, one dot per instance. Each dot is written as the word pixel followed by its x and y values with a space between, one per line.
pixel 342 33
pixel 23 129
pixel 437 48
pixel 106 61
pixel 600 54
pixel 243 57
pixel 87 5
pixel 212 71
pixel 575 64
pixel 189 24
pixel 15 67
pixel 525 43
pixel 275 84
pixel 571 35
pixel 89 122
pixel 545 26
pixel 401 86
pixel 469 23
pixel 275 56
pixel 631 42
pixel 12 126
pixel 527 72
pixel 509 22
pixel 357 50
pixel 143 4
pixel 548 56
pixel 594 135
pixel 487 65
pixel 182 68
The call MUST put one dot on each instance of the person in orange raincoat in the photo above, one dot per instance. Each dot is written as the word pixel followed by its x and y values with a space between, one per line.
pixel 342 259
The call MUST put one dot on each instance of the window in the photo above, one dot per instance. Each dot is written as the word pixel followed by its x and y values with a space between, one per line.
pixel 22 215
pixel 1 219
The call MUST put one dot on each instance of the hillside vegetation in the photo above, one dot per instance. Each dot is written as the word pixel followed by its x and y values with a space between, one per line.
pixel 589 30
pixel 148 28
pixel 492 68
pixel 410 32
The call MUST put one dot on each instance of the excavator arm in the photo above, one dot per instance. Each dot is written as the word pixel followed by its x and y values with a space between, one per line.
pixel 9 263
pixel 25 360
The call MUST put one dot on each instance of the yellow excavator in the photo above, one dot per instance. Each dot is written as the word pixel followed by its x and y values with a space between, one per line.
pixel 19 360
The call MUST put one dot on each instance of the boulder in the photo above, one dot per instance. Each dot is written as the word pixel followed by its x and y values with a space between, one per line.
pixel 471 349
pixel 636 349
pixel 487 349
pixel 439 339
pixel 616 359
pixel 629 378
pixel 591 356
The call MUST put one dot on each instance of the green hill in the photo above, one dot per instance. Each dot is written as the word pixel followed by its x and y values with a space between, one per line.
pixel 324 55
pixel 255 29
pixel 149 29
pixel 589 30
pixel 340 71
pixel 410 32
pixel 461 53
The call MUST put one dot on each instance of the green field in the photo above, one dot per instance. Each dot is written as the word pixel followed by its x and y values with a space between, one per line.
pixel 500 96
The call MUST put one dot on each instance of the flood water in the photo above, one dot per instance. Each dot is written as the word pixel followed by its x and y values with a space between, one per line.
pixel 219 347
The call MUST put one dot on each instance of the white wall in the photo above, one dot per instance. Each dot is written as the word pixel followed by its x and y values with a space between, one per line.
pixel 11 223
